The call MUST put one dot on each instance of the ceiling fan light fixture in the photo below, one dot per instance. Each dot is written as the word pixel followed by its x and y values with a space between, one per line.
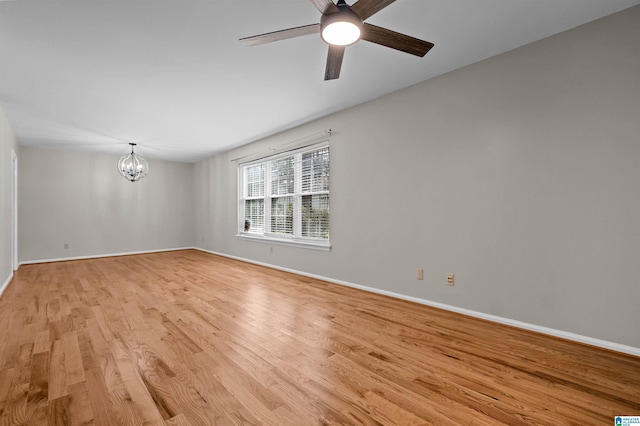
pixel 342 28
pixel 341 33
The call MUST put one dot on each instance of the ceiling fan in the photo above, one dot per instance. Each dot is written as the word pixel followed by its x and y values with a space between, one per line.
pixel 342 25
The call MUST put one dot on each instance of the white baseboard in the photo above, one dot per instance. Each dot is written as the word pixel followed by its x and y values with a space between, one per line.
pixel 6 283
pixel 96 256
pixel 494 318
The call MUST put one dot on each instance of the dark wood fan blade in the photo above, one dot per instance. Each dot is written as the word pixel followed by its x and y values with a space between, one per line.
pixel 395 40
pixel 334 62
pixel 366 8
pixel 281 35
pixel 325 6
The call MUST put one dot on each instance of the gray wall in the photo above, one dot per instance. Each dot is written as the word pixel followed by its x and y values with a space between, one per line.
pixel 7 144
pixel 81 200
pixel 519 174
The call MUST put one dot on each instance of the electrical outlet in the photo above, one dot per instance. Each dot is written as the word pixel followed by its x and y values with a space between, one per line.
pixel 420 274
pixel 450 279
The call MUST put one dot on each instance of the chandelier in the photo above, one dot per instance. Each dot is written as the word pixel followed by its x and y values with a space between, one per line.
pixel 133 167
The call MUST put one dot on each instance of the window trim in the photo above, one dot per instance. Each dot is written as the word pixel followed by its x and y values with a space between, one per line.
pixel 271 237
pixel 284 241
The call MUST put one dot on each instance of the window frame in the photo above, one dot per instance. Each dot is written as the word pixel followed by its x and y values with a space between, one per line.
pixel 268 236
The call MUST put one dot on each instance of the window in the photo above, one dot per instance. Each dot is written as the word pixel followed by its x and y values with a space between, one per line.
pixel 286 197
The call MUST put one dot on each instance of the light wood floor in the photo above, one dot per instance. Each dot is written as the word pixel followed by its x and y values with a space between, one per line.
pixel 188 338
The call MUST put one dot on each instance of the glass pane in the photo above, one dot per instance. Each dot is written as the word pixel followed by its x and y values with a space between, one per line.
pixel 315 216
pixel 282 176
pixel 255 180
pixel 282 215
pixel 254 216
pixel 315 170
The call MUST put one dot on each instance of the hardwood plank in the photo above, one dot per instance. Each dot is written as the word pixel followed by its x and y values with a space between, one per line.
pixel 99 398
pixel 42 341
pixel 186 338
pixel 57 373
pixel 80 408
pixel 141 395
pixel 38 395
pixel 179 335
pixel 18 389
pixel 60 411
pixel 72 358
pixel 125 408
pixel 179 420
pixel 5 383
pixel 13 412
pixel 111 374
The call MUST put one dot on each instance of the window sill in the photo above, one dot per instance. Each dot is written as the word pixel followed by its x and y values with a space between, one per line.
pixel 286 242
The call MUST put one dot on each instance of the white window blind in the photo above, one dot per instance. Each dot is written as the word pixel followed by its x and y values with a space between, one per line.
pixel 286 197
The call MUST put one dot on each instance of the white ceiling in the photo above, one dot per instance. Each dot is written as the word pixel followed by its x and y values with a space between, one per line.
pixel 172 76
